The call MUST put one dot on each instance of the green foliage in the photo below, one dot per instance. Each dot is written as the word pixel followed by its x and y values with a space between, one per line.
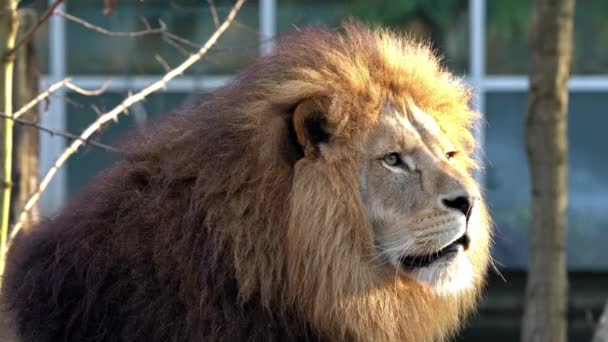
pixel 508 19
pixel 396 13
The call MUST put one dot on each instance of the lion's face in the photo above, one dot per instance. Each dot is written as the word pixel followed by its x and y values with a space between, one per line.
pixel 421 205
pixel 385 223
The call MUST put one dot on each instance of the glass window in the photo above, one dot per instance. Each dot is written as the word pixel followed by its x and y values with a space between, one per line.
pixel 508 183
pixel 444 22
pixel 89 160
pixel 507 31
pixel 94 53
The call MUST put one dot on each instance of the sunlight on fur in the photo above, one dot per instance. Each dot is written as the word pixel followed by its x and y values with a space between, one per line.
pixel 405 201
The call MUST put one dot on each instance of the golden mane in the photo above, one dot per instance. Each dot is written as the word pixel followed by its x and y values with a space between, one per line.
pixel 231 232
pixel 328 238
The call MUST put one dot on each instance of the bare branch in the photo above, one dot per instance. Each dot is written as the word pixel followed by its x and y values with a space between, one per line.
pixel 169 37
pixel 173 40
pixel 146 23
pixel 196 9
pixel 162 27
pixel 64 134
pixel 41 97
pixel 96 109
pixel 176 46
pixel 54 87
pixel 86 92
pixel 26 38
pixel 114 113
pixel 162 62
pixel 182 40
pixel 248 28
pixel 216 19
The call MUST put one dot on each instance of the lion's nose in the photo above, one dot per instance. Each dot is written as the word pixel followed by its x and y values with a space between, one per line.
pixel 460 203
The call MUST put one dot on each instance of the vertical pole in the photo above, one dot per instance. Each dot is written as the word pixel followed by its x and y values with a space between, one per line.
pixel 52 146
pixel 477 70
pixel 268 26
pixel 8 35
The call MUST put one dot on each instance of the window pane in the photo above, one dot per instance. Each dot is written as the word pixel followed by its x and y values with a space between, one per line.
pixel 506 165
pixel 508 27
pixel 445 22
pixel 508 184
pixel 94 53
pixel 89 161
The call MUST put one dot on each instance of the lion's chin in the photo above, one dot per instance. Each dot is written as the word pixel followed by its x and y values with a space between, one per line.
pixel 446 276
pixel 445 253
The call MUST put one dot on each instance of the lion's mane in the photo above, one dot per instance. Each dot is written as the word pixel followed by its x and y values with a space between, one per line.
pixel 213 226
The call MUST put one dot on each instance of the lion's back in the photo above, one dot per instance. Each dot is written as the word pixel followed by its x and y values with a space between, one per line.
pixel 92 274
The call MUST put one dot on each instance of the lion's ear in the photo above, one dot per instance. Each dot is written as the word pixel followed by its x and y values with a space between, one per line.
pixel 310 127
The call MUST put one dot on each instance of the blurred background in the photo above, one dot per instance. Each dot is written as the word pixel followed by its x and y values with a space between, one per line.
pixel 485 42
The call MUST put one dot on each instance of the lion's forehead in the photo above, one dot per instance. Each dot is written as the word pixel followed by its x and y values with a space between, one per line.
pixel 407 130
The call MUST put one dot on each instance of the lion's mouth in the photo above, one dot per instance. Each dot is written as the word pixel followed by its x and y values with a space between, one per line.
pixel 418 261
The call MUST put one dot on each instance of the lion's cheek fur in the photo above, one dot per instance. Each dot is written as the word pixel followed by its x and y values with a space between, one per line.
pixel 330 282
pixel 479 252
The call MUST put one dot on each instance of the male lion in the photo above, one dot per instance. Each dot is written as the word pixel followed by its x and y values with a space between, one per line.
pixel 324 194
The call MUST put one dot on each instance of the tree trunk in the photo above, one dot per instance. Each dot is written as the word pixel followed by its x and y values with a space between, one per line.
pixel 601 331
pixel 8 34
pixel 26 138
pixel 547 147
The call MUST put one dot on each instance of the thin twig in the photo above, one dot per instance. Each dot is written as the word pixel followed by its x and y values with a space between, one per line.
pixel 169 37
pixel 86 92
pixel 96 109
pixel 64 134
pixel 41 97
pixel 71 102
pixel 247 28
pixel 26 38
pixel 54 87
pixel 159 30
pixel 113 114
pixel 162 62
pixel 146 23
pixel 182 40
pixel 195 9
pixel 173 40
pixel 216 19
pixel 177 47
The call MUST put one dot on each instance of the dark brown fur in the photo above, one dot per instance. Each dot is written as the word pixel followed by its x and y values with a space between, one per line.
pixel 184 239
pixel 136 256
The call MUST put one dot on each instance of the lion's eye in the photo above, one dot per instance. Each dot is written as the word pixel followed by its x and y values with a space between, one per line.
pixel 393 159
pixel 451 154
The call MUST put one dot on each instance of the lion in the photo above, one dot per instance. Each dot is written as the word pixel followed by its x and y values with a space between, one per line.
pixel 326 193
